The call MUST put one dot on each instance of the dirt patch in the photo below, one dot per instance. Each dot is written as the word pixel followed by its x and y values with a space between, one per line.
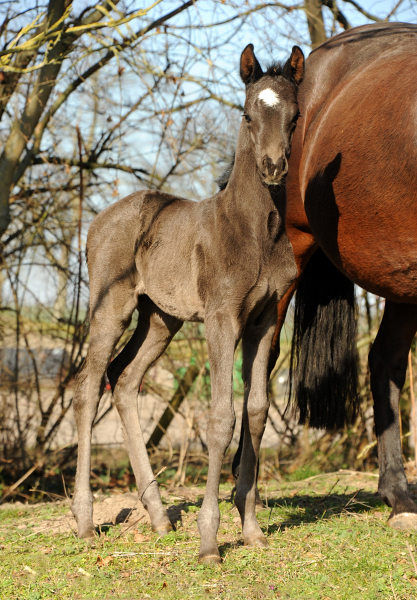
pixel 126 508
pixel 118 508
pixel 112 510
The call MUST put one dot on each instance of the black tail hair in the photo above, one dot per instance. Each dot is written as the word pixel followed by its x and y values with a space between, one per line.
pixel 324 362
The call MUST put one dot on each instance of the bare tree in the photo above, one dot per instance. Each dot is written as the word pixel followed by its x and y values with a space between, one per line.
pixel 153 90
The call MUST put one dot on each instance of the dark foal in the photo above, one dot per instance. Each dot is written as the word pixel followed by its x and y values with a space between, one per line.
pixel 225 261
pixel 351 217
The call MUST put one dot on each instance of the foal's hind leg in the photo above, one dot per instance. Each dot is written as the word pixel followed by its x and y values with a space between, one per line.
pixel 256 343
pixel 110 313
pixel 388 364
pixel 153 333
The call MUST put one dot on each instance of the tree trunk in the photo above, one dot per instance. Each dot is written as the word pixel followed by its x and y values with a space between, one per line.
pixel 315 22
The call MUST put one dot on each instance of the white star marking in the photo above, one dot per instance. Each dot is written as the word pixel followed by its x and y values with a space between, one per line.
pixel 269 97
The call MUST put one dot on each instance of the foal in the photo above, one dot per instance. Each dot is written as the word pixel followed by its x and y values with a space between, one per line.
pixel 225 261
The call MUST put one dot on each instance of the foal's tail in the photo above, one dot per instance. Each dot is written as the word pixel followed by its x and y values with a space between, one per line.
pixel 323 368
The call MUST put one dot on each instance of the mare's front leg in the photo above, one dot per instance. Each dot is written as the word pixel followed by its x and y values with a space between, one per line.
pixel 222 336
pixel 111 308
pixel 152 335
pixel 256 343
pixel 388 365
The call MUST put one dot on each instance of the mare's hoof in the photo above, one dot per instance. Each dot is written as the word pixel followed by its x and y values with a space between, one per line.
pixel 258 542
pixel 162 530
pixel 210 559
pixel 405 521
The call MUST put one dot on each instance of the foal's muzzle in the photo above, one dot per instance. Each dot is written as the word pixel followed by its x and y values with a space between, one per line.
pixel 273 173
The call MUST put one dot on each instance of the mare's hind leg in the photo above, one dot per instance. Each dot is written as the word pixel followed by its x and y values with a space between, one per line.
pixel 153 333
pixel 388 364
pixel 256 343
pixel 222 335
pixel 110 314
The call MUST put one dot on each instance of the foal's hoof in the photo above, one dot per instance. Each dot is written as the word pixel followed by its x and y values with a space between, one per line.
pixel 164 529
pixel 88 533
pixel 405 521
pixel 210 559
pixel 258 542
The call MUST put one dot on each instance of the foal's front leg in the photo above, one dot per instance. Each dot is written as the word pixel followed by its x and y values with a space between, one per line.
pixel 256 343
pixel 221 338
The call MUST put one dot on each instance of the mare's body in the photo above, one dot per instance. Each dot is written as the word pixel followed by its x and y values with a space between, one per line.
pixel 225 261
pixel 352 191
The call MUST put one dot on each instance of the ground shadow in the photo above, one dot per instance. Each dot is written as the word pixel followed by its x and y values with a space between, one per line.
pixel 310 508
pixel 174 511
pixel 301 508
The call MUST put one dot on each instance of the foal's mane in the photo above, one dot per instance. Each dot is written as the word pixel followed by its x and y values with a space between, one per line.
pixel 274 69
pixel 223 179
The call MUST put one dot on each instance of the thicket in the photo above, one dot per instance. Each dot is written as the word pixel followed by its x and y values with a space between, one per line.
pixel 96 101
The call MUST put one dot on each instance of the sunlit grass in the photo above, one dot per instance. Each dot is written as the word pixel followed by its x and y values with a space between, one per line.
pixel 328 540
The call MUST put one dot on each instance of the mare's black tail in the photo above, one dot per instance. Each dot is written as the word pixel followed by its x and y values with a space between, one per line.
pixel 323 369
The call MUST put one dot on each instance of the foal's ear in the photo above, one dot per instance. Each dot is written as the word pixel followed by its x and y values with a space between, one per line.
pixel 250 69
pixel 294 67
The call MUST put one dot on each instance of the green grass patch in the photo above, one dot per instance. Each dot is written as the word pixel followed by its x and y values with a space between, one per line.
pixel 328 539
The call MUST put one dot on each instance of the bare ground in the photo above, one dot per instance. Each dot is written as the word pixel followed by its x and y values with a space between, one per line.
pixel 126 508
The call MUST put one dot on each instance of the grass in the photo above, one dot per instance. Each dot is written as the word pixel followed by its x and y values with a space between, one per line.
pixel 327 534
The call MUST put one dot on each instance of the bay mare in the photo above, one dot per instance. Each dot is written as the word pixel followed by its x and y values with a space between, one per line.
pixel 352 218
pixel 226 261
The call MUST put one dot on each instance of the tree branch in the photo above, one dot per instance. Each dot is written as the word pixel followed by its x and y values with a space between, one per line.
pixel 365 12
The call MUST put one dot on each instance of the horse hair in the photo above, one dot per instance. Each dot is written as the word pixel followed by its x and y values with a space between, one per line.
pixel 324 360
pixel 223 179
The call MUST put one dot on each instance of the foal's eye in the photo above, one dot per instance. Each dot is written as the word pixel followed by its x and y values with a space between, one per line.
pixel 295 118
pixel 247 118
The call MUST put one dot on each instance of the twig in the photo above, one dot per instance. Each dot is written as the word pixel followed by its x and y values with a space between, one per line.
pixel 392 587
pixel 160 471
pixel 40 463
pixel 389 15
pixel 65 487
pixel 50 494
pixel 332 488
pixel 349 472
pixel 352 499
pixel 269 517
pixel 21 480
pixel 412 558
pixel 130 526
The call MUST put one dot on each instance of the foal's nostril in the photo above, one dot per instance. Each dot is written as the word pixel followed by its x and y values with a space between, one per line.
pixel 274 169
pixel 266 165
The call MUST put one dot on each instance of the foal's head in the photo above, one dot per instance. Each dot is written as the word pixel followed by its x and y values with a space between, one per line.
pixel 271 110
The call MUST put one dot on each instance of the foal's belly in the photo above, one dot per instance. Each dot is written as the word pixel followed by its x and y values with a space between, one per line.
pixel 173 294
pixel 358 178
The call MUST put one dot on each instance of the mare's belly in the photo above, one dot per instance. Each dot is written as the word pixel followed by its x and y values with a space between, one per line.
pixel 358 178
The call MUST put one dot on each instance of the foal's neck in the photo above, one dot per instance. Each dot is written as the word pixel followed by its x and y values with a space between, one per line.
pixel 245 191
